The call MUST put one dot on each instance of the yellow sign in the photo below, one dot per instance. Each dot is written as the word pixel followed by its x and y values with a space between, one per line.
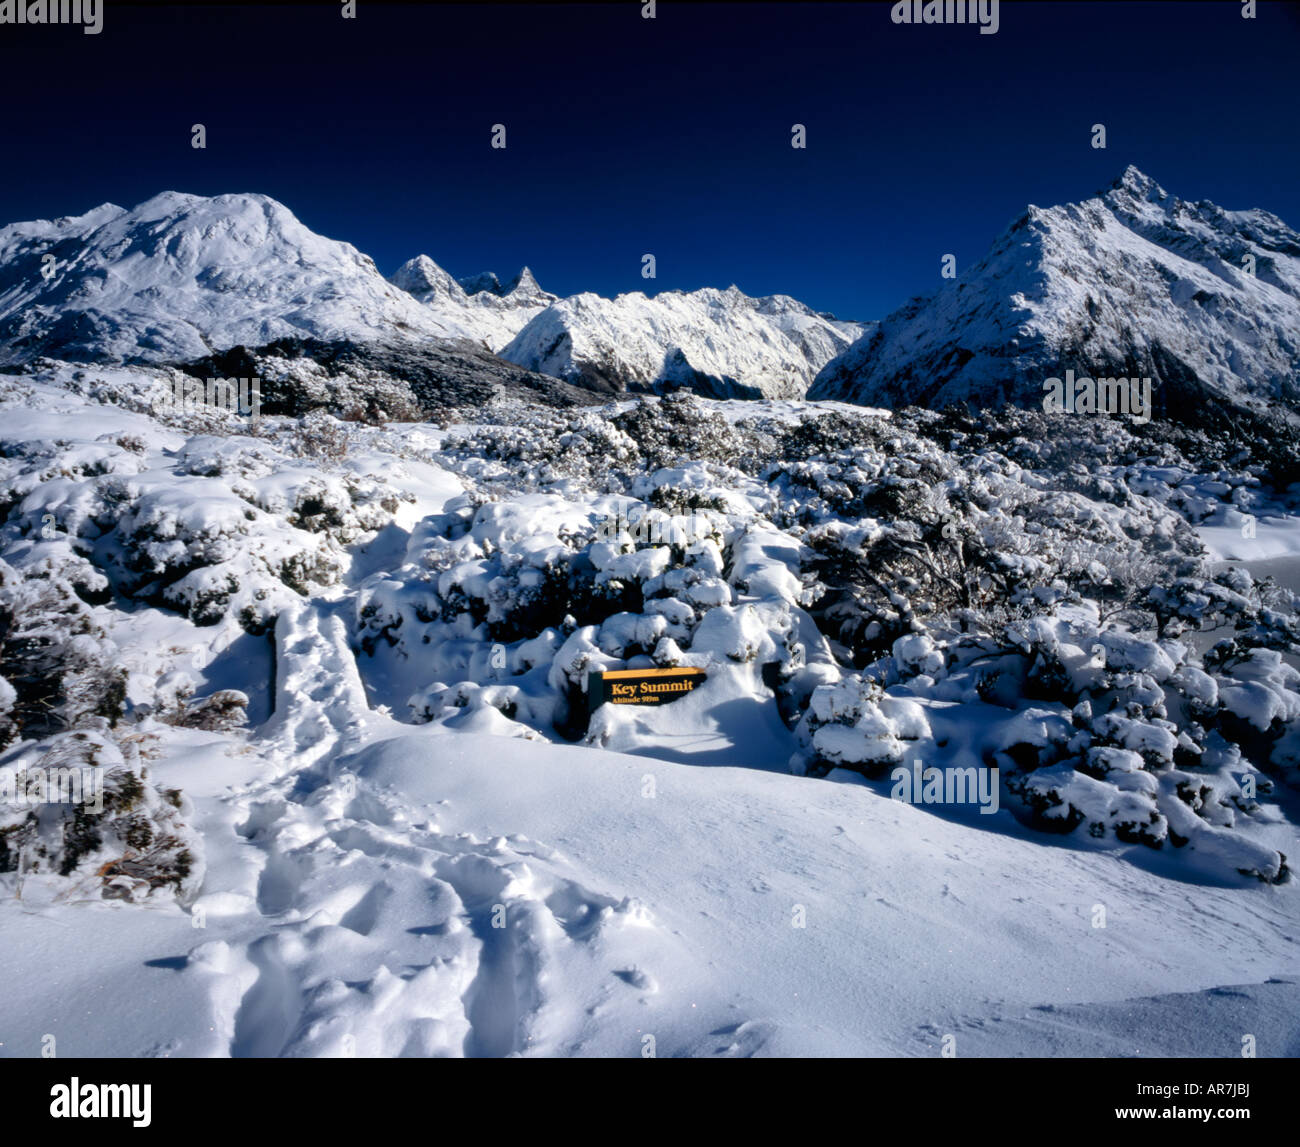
pixel 641 686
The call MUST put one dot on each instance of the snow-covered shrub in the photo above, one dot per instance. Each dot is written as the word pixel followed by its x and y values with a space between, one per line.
pixel 320 436
pixel 8 724
pixel 561 587
pixel 1045 584
pixel 220 712
pixel 905 533
pixel 679 428
pixel 1096 731
pixel 122 839
pixel 582 446
pixel 58 664
pixel 855 724
pixel 217 526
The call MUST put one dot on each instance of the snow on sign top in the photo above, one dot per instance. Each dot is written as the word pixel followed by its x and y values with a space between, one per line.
pixel 641 686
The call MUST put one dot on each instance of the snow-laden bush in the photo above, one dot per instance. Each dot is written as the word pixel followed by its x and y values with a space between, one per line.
pixel 217 526
pixel 855 724
pixel 59 667
pixel 1041 595
pixel 905 534
pixel 1096 731
pixel 120 837
pixel 535 592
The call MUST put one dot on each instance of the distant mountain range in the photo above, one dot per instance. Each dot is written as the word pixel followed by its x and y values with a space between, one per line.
pixel 1132 282
pixel 183 277
pixel 722 343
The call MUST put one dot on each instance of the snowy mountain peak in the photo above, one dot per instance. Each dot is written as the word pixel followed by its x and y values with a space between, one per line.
pixel 525 285
pixel 179 276
pixel 478 305
pixel 95 217
pixel 1137 184
pixel 1133 283
pixel 422 276
pixel 167 203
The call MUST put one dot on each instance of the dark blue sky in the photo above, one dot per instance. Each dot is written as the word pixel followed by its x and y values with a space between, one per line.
pixel 669 136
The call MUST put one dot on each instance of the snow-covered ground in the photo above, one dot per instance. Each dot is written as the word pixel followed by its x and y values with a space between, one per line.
pixel 1271 535
pixel 399 855
pixel 1267 544
pixel 349 910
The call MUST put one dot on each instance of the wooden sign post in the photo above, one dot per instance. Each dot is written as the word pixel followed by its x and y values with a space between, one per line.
pixel 641 686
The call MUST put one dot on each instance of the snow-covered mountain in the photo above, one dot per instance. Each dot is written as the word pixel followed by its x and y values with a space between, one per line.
pixel 723 343
pixel 524 286
pixel 180 276
pixel 478 305
pixel 1133 282
pixel 183 277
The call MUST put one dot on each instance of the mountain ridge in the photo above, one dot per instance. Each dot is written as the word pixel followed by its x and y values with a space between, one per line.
pixel 719 342
pixel 1130 282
